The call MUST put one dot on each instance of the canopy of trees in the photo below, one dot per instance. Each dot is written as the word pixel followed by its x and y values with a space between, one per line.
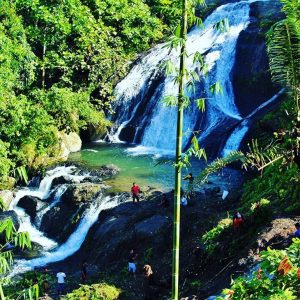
pixel 59 63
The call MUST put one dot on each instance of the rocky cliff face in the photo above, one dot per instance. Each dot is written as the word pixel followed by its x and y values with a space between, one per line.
pixel 251 77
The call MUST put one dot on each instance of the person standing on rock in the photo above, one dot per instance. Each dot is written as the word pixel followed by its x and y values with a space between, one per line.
pixel 131 262
pixel 60 282
pixel 237 221
pixel 190 178
pixel 135 190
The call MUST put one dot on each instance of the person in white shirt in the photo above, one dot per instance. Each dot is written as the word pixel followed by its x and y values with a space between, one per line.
pixel 60 282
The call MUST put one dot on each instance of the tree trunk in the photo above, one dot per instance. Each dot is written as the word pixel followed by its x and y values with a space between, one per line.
pixel 176 222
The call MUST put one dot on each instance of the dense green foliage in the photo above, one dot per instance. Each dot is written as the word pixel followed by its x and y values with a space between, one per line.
pixel 59 63
pixel 276 279
pixel 101 291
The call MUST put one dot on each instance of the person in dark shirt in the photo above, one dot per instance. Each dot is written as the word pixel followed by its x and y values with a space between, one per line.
pixel 131 262
pixel 190 178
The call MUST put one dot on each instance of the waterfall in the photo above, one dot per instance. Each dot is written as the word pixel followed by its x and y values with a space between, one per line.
pixel 73 243
pixel 43 193
pixel 136 98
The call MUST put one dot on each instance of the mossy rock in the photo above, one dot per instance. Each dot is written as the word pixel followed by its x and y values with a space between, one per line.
pixel 101 291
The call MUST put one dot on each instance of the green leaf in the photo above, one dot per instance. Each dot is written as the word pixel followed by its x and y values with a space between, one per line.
pixel 178 31
pixel 216 88
pixel 201 104
pixel 170 100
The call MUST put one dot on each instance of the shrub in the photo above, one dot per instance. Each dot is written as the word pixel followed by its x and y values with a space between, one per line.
pixel 275 279
pixel 210 238
pixel 101 291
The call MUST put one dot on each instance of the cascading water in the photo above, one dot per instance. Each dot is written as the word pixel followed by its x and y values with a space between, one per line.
pixel 235 139
pixel 73 243
pixel 145 120
pixel 43 193
pixel 220 51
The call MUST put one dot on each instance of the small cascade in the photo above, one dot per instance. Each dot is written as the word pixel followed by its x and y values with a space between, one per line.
pixel 42 193
pixel 73 243
pixel 235 139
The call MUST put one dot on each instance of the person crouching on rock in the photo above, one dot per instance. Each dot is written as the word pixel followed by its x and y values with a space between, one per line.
pixel 135 189
pixel 131 262
pixel 238 220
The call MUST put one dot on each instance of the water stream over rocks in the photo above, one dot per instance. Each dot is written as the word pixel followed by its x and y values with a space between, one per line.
pixel 143 120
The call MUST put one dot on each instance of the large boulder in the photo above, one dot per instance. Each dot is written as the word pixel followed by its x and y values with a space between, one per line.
pixel 70 142
pixel 111 225
pixel 278 234
pixel 61 220
pixel 152 225
pixel 80 193
pixel 31 205
pixel 10 214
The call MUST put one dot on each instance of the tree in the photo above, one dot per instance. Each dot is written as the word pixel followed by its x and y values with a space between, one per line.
pixel 177 196
pixel 185 80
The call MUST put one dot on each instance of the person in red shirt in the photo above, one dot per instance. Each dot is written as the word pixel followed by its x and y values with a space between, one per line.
pixel 135 189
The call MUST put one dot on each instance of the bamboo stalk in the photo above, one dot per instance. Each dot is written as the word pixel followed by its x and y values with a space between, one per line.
pixel 176 221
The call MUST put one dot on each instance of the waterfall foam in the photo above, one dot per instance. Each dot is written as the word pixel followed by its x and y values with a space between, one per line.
pixel 43 193
pixel 73 243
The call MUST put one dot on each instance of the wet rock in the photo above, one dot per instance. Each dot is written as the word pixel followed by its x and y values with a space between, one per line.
pixel 111 225
pixel 31 205
pixel 152 225
pixel 61 180
pixel 35 181
pixel 10 214
pixel 104 171
pixel 60 221
pixel 251 63
pixel 80 193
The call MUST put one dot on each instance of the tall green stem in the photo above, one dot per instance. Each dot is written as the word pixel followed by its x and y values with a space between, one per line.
pixel 1 293
pixel 176 222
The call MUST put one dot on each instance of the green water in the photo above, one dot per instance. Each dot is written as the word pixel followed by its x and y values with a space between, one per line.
pixel 146 170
